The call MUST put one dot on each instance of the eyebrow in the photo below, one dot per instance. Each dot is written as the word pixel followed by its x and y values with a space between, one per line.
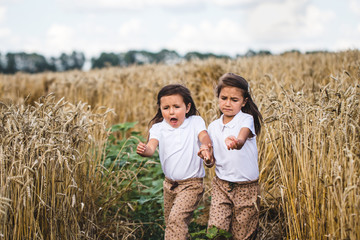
pixel 222 96
pixel 168 105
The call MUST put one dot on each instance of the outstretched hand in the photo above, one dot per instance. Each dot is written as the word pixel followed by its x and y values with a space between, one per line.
pixel 206 153
pixel 232 143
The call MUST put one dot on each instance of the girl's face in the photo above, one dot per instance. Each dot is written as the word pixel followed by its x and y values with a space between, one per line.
pixel 231 100
pixel 173 109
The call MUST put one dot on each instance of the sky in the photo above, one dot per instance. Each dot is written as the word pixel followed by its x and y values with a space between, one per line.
pixel 231 27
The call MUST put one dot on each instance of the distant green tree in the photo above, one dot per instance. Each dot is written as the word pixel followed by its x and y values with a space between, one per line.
pixel 25 62
pixel 197 55
pixel 316 51
pixel 144 57
pixel 165 56
pixel 66 62
pixel 41 64
pixel 264 52
pixel 250 53
pixel 105 60
pixel 10 63
pixel 79 60
pixel 293 51
pixel 193 55
pixel 130 58
pixel 35 63
pixel 1 64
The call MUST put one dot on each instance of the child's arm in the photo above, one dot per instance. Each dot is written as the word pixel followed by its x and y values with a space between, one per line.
pixel 206 150
pixel 237 143
pixel 147 150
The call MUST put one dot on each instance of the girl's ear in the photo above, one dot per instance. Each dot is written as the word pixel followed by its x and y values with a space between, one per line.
pixel 188 107
pixel 245 101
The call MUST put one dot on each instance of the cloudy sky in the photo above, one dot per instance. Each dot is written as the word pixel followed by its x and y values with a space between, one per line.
pixel 51 27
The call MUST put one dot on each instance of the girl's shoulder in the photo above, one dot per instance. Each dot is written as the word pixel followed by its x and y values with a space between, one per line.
pixel 215 122
pixel 156 125
pixel 194 118
pixel 241 116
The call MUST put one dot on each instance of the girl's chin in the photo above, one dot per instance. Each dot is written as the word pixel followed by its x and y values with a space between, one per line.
pixel 174 123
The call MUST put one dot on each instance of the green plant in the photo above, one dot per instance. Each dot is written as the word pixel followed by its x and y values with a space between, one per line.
pixel 144 198
pixel 211 233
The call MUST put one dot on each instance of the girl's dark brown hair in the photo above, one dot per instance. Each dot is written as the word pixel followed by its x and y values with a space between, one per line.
pixel 233 80
pixel 173 89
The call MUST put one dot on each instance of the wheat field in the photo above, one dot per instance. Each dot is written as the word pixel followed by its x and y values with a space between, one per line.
pixel 53 127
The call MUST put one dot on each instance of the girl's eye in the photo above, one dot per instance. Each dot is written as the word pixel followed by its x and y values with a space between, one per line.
pixel 165 108
pixel 223 98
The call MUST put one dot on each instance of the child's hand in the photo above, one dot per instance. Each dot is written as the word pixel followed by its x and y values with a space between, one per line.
pixel 205 153
pixel 231 142
pixel 148 149
pixel 141 148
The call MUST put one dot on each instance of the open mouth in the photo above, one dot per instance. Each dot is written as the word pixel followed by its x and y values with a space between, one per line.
pixel 173 120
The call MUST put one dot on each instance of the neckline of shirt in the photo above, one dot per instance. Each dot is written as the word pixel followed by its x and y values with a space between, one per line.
pixel 230 124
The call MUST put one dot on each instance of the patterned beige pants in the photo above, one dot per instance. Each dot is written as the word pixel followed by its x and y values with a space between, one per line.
pixel 180 201
pixel 235 207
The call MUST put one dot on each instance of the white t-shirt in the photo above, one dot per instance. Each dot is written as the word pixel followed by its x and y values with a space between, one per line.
pixel 178 148
pixel 234 165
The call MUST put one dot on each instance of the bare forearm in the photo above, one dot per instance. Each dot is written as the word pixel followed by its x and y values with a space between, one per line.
pixel 206 150
pixel 147 150
pixel 204 138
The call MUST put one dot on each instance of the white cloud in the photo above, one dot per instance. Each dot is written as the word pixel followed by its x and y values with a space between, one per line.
pixel 271 20
pixel 178 5
pixel 60 37
pixel 346 44
pixel 218 26
pixel 2 13
pixel 243 3
pixel 130 27
pixel 175 3
pixel 102 4
pixel 209 37
pixel 132 34
pixel 354 6
pixel 348 39
pixel 130 4
pixel 287 21
pixel 314 21
pixel 234 2
pixel 5 32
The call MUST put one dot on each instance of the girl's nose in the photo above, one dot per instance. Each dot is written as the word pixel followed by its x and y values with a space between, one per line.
pixel 172 111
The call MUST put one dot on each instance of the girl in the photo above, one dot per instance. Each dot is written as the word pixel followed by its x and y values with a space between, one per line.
pixel 178 132
pixel 235 189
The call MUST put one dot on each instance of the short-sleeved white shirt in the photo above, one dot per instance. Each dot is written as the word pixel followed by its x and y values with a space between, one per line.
pixel 178 148
pixel 234 165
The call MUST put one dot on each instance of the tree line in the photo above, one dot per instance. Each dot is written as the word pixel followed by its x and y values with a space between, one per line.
pixel 35 63
pixel 11 63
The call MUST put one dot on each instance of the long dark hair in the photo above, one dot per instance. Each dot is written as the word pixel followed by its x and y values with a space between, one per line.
pixel 233 80
pixel 173 89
